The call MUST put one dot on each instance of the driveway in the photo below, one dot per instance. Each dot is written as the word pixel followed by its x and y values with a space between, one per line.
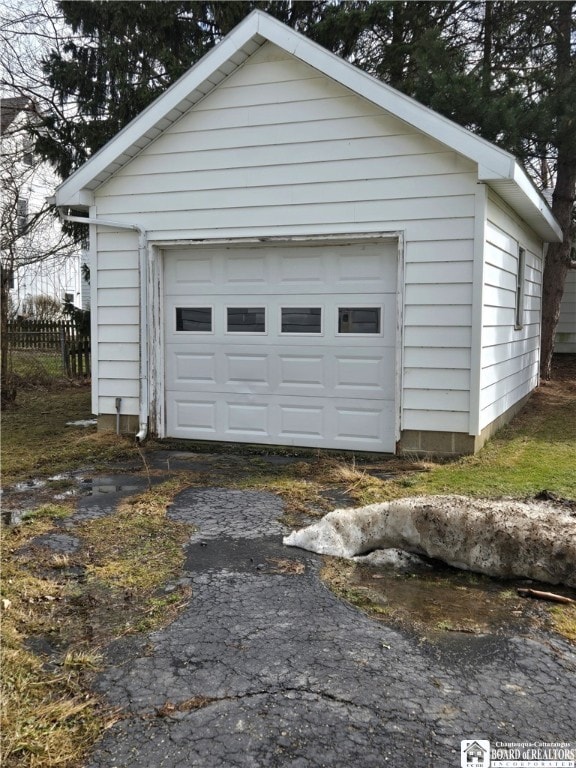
pixel 266 668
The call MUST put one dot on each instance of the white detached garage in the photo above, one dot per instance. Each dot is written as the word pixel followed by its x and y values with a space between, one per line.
pixel 286 251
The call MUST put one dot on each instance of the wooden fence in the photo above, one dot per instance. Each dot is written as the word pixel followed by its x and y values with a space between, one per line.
pixel 60 337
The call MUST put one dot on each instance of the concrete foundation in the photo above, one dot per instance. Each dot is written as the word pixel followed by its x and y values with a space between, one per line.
pixel 436 443
pixel 128 424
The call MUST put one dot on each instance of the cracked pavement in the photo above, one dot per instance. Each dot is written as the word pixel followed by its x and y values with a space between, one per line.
pixel 265 667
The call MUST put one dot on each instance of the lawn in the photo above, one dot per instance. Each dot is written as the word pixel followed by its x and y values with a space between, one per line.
pixel 36 440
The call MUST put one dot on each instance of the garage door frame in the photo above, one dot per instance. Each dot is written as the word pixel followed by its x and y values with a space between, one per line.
pixel 156 290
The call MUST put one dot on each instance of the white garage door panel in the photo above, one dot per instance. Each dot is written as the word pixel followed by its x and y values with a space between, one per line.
pixel 312 371
pixel 323 389
pixel 325 269
pixel 293 421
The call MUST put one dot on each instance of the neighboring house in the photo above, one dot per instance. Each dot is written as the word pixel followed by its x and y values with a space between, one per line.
pixel 565 340
pixel 38 262
pixel 304 256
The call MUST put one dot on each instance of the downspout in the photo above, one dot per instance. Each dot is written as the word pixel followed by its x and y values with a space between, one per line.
pixel 143 280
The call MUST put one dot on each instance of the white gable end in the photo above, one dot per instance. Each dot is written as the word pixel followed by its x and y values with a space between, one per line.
pixel 282 148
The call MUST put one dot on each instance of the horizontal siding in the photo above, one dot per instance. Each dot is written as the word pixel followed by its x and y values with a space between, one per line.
pixel 431 378
pixel 259 154
pixel 278 150
pixel 118 369
pixel 510 356
pixel 566 331
pixel 129 405
pixel 436 420
pixel 391 192
pixel 118 317
pixel 416 230
pixel 401 157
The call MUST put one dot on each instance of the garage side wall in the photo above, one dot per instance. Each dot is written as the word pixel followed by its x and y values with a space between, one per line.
pixel 280 150
pixel 510 349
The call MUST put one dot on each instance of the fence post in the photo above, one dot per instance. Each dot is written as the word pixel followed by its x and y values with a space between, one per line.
pixel 63 346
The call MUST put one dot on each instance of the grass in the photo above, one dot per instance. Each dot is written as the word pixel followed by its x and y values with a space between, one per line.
pixel 36 440
pixel 563 619
pixel 535 452
pixel 49 717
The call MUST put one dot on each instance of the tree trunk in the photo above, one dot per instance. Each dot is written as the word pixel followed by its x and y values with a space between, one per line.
pixel 558 256
pixel 557 263
pixel 487 50
pixel 8 391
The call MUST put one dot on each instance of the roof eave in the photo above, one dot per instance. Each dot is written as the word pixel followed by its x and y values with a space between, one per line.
pixel 518 190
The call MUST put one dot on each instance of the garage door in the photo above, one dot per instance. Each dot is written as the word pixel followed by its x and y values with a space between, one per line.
pixel 287 345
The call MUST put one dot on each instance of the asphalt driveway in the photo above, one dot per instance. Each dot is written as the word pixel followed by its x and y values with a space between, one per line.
pixel 265 667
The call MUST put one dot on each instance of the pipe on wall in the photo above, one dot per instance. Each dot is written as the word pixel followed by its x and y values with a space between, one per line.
pixel 143 281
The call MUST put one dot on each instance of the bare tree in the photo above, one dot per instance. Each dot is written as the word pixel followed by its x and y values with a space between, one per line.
pixel 30 234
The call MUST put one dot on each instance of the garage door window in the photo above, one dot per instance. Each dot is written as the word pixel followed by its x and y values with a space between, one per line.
pixel 194 319
pixel 301 320
pixel 246 320
pixel 359 320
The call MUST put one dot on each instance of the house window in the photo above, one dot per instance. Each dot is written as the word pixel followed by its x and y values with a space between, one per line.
pixel 21 215
pixel 246 320
pixel 301 320
pixel 359 319
pixel 519 307
pixel 194 319
pixel 28 152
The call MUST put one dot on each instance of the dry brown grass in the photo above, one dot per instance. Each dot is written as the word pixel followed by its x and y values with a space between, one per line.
pixel 49 717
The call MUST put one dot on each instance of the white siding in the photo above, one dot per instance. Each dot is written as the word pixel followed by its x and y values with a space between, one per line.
pixel 280 150
pixel 510 356
pixel 566 330
pixel 118 315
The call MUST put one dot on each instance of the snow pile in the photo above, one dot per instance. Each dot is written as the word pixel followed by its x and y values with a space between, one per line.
pixel 500 538
pixel 393 559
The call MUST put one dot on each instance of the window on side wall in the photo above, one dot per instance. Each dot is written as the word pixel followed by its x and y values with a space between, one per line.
pixel 519 308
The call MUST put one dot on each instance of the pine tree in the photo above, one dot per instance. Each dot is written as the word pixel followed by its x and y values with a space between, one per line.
pixel 123 54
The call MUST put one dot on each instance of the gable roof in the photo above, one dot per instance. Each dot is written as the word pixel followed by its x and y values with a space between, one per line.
pixel 496 167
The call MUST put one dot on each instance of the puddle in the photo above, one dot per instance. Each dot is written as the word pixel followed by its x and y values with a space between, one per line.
pixel 82 423
pixel 21 499
pixel 266 555
pixel 13 516
pixel 27 485
pixel 91 488
pixel 445 600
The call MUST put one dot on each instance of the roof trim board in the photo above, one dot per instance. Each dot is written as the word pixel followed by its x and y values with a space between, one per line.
pixel 495 164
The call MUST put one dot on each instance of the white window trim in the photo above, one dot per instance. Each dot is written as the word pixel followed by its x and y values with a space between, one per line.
pixel 520 290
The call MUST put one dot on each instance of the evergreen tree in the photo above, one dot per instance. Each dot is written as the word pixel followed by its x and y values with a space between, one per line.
pixel 123 54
